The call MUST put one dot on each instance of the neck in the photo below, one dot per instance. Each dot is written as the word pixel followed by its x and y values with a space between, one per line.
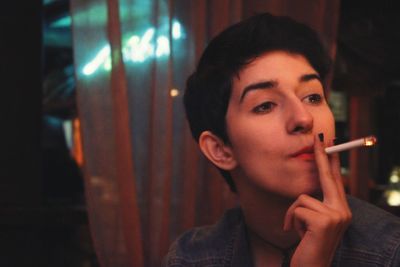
pixel 268 254
pixel 264 217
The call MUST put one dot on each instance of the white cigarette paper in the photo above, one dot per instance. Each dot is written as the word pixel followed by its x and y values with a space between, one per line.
pixel 366 141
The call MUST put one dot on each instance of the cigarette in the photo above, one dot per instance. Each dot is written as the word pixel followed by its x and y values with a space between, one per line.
pixel 366 141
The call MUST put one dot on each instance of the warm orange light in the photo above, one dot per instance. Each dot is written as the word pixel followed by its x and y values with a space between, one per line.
pixel 77 149
pixel 174 92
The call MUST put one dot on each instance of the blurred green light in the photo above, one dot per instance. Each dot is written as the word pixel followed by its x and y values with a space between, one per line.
pixel 100 58
pixel 176 30
pixel 137 49
pixel 107 64
pixel 148 35
pixel 162 46
pixel 63 22
pixel 132 45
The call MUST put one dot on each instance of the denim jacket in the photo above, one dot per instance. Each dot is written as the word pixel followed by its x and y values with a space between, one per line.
pixel 372 239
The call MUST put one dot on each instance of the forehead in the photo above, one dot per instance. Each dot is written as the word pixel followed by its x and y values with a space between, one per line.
pixel 280 66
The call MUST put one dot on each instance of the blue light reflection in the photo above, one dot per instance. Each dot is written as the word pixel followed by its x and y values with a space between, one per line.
pixel 137 49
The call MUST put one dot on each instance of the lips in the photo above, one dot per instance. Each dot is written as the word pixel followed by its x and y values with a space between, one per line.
pixel 306 153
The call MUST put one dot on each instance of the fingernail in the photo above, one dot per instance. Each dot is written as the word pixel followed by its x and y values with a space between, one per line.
pixel 321 137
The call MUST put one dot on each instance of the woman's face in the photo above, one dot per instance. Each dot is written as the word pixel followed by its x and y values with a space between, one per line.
pixel 276 107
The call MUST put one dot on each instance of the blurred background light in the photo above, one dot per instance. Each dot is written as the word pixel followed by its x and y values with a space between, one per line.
pixel 137 49
pixel 176 30
pixel 174 92
pixel 100 58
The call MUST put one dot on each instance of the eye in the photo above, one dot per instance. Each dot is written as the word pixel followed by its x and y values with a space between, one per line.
pixel 264 107
pixel 314 99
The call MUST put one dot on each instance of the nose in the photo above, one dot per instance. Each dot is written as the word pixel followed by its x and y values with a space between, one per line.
pixel 300 120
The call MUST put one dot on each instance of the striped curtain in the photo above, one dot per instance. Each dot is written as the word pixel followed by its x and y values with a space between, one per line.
pixel 145 180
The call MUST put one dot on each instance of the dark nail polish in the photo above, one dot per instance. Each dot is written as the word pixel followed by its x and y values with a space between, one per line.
pixel 321 137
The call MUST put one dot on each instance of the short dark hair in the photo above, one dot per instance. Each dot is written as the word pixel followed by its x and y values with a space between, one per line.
pixel 208 89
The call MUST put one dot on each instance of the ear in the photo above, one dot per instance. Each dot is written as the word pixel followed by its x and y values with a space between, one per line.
pixel 217 151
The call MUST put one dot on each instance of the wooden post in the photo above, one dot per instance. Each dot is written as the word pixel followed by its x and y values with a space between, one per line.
pixel 360 165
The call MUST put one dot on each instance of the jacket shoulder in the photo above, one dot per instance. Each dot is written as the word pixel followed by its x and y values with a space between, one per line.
pixel 373 237
pixel 207 245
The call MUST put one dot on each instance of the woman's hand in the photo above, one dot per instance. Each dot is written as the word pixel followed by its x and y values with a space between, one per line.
pixel 320 224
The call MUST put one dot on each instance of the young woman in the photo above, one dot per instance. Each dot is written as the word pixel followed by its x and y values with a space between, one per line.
pixel 256 106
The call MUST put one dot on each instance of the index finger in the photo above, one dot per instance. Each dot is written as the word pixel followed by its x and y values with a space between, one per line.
pixel 327 181
pixel 337 176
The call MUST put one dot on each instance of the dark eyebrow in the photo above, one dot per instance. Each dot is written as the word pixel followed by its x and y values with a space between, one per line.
pixel 274 84
pixel 257 86
pixel 309 77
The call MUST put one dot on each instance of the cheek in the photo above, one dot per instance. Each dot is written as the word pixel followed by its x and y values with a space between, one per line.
pixel 255 133
pixel 253 142
pixel 324 122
